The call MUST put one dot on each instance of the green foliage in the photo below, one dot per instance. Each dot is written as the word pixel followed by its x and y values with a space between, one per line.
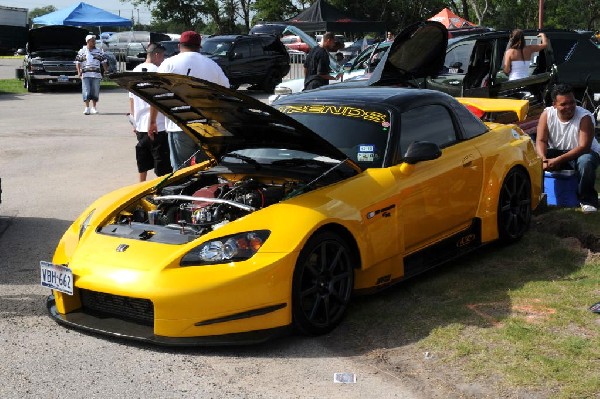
pixel 39 11
pixel 273 10
pixel 235 16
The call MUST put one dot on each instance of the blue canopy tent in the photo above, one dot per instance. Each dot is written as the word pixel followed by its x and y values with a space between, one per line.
pixel 82 14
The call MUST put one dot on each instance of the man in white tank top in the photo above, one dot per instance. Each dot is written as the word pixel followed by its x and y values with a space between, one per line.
pixel 565 140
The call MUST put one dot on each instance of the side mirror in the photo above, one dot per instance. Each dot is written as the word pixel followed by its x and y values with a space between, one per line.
pixel 237 56
pixel 419 151
pixel 21 51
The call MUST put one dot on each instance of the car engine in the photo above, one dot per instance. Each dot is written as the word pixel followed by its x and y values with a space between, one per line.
pixel 181 212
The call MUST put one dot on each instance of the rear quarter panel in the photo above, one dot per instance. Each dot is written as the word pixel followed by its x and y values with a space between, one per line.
pixel 505 147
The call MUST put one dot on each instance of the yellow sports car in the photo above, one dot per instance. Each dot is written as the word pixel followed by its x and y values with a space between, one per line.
pixel 331 193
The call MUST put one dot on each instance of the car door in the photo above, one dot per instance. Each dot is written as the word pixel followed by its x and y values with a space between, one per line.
pixel 534 85
pixel 444 193
pixel 455 68
pixel 246 61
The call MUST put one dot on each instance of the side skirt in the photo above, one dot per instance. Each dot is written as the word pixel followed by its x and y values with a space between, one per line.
pixel 444 251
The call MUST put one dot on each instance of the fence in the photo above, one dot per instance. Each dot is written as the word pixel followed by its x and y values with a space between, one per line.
pixel 296 66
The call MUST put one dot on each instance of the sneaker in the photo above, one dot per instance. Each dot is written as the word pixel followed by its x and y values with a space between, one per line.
pixel 585 208
pixel 86 111
pixel 94 111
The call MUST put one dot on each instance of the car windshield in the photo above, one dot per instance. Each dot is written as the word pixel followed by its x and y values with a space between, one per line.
pixel 276 156
pixel 216 46
pixel 359 132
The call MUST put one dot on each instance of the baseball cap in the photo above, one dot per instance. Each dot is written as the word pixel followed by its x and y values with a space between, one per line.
pixel 89 37
pixel 190 38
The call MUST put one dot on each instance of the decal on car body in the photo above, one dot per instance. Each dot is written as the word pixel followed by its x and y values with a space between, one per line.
pixel 384 212
pixel 347 111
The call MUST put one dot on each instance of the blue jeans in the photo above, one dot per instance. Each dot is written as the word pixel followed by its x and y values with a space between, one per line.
pixel 585 166
pixel 182 147
pixel 90 89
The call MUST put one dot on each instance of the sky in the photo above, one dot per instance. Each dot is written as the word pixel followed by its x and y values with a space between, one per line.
pixel 125 9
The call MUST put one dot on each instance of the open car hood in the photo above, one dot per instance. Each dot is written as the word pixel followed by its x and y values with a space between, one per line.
pixel 417 52
pixel 222 120
pixel 56 37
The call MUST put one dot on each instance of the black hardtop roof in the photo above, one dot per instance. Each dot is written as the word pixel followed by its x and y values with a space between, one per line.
pixel 397 96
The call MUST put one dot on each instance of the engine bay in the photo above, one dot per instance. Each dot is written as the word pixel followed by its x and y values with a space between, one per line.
pixel 187 208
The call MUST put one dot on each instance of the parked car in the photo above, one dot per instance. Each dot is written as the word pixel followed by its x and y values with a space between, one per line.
pixel 136 52
pixel 260 60
pixel 120 42
pixel 268 29
pixel 356 47
pixel 293 42
pixel 273 233
pixel 359 67
pixel 473 67
pixel 50 56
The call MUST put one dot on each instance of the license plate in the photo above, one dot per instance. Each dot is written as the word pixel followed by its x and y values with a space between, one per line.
pixel 56 277
pixel 63 78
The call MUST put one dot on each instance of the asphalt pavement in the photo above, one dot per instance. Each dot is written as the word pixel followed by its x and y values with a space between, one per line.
pixel 54 161
pixel 8 66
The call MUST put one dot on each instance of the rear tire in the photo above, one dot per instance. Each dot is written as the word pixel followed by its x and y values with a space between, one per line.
pixel 514 206
pixel 322 284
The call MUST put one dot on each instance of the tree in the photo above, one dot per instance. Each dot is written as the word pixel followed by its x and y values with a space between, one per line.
pixel 186 12
pixel 274 10
pixel 39 11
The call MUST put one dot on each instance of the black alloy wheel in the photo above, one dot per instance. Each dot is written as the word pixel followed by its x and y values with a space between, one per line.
pixel 514 206
pixel 322 284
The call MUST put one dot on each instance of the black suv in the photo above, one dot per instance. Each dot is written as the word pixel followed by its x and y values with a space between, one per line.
pixel 50 56
pixel 260 60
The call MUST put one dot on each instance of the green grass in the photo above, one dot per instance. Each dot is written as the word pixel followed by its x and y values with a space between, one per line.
pixel 15 86
pixel 520 313
pixel 11 86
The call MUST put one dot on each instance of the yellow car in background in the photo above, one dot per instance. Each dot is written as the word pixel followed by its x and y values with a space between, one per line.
pixel 331 193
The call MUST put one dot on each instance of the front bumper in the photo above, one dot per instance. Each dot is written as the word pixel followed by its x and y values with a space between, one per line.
pixel 119 328
pixel 52 80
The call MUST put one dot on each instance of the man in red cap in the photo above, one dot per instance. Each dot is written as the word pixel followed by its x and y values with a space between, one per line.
pixel 191 63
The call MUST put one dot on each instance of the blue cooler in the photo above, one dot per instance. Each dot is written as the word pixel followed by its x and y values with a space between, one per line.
pixel 561 188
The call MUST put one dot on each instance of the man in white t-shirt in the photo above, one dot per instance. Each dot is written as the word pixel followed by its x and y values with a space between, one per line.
pixel 152 149
pixel 188 62
pixel 566 140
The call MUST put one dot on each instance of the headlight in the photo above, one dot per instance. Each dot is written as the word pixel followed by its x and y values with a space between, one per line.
pixel 36 65
pixel 85 224
pixel 232 248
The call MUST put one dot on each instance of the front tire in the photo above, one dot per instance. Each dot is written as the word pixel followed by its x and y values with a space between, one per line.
pixel 30 85
pixel 322 284
pixel 514 206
